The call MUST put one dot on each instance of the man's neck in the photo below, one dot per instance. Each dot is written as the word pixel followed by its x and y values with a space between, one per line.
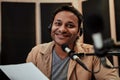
pixel 60 52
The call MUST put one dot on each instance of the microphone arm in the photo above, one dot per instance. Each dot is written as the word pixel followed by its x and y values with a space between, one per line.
pixel 94 54
pixel 76 57
pixel 102 59
pixel 107 45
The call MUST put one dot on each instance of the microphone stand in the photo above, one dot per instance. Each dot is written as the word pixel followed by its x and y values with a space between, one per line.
pixel 94 54
pixel 101 54
pixel 106 50
pixel 108 45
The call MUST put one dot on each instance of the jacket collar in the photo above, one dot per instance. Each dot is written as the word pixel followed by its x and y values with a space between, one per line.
pixel 47 47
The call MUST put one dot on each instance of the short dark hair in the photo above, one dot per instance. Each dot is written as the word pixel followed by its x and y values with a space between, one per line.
pixel 69 8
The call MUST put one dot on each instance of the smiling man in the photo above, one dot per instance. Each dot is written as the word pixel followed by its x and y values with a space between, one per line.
pixel 55 63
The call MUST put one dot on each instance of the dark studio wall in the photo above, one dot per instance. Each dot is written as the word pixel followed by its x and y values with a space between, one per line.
pixel 96 19
pixel 117 19
pixel 18 31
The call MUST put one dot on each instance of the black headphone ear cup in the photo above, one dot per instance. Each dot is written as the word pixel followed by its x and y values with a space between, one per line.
pixel 81 31
pixel 49 27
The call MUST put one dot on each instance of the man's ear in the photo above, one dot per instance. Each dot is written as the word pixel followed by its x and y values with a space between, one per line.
pixel 49 27
pixel 81 29
pixel 80 32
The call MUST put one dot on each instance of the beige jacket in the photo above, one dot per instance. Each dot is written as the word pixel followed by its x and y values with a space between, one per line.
pixel 41 56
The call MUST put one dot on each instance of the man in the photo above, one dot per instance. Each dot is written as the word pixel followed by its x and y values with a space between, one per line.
pixel 55 63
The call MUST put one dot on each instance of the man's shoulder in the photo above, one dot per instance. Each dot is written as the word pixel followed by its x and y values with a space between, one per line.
pixel 83 47
pixel 86 45
pixel 43 46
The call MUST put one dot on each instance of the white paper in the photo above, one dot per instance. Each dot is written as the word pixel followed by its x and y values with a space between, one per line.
pixel 24 71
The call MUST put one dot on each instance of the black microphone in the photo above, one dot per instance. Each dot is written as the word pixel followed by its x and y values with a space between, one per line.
pixel 72 55
pixel 70 52
pixel 95 26
pixel 102 48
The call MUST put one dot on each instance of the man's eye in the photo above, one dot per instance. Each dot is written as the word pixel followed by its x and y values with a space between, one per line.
pixel 70 25
pixel 58 23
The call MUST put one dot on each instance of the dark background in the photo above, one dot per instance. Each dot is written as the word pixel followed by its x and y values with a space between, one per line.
pixel 117 18
pixel 96 19
pixel 18 31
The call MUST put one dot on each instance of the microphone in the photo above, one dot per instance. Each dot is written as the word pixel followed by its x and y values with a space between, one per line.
pixel 95 26
pixel 70 52
pixel 98 44
pixel 72 55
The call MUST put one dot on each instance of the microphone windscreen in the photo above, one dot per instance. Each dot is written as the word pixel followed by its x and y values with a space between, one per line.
pixel 64 46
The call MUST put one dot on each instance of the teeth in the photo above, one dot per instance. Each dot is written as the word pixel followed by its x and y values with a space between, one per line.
pixel 62 34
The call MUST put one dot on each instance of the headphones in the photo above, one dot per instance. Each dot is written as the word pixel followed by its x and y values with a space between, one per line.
pixel 50 26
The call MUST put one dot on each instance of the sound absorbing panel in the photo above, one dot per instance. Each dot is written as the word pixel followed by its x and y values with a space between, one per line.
pixel 100 8
pixel 18 31
pixel 117 19
pixel 97 19
pixel 95 11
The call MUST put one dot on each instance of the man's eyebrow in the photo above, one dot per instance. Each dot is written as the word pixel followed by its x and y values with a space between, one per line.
pixel 70 22
pixel 57 20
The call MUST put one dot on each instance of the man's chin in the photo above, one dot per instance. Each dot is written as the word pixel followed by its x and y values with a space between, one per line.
pixel 62 43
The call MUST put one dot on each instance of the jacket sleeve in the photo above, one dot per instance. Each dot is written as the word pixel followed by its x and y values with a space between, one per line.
pixel 104 73
pixel 32 55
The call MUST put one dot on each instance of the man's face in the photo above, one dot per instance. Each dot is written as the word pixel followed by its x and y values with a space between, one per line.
pixel 65 28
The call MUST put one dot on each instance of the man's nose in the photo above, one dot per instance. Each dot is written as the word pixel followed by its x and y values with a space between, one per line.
pixel 62 28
